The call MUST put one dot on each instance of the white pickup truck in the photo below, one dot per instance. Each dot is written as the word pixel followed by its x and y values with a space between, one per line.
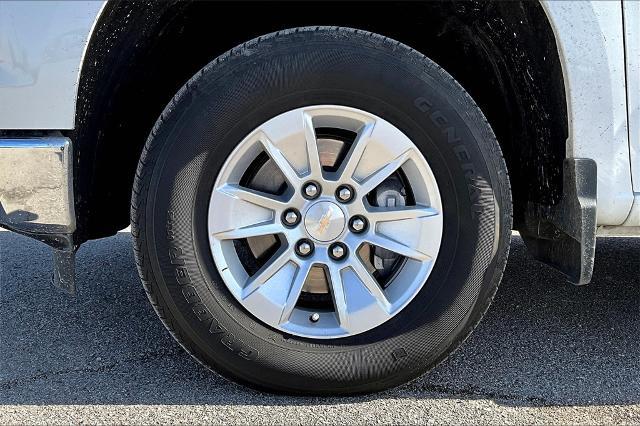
pixel 321 194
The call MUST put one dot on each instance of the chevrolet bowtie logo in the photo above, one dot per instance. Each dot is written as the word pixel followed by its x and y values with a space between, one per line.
pixel 324 222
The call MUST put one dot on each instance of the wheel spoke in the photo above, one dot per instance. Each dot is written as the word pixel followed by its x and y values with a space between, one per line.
pixel 339 296
pixel 296 288
pixel 252 196
pixel 268 270
pixel 377 177
pixel 290 174
pixel 356 301
pixel 315 168
pixel 371 284
pixel 395 246
pixel 384 214
pixel 257 230
pixel 350 163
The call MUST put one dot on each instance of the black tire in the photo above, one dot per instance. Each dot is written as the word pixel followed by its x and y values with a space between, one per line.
pixel 247 86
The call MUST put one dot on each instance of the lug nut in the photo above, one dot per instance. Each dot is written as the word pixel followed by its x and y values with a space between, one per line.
pixel 291 217
pixel 311 190
pixel 337 251
pixel 304 248
pixel 357 224
pixel 314 317
pixel 344 193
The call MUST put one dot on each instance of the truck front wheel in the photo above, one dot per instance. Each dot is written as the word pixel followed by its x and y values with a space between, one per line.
pixel 321 210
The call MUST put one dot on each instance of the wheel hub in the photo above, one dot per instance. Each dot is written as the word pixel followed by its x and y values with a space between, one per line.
pixel 324 221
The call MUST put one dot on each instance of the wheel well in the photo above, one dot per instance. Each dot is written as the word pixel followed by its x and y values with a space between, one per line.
pixel 503 53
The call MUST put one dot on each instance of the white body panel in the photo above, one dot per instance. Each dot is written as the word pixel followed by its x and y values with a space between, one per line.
pixel 632 30
pixel 631 10
pixel 590 40
pixel 41 50
pixel 42 47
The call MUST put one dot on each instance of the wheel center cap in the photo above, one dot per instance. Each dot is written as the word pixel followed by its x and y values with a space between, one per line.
pixel 324 221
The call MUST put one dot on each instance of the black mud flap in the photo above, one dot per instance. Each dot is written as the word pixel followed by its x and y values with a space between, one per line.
pixel 564 235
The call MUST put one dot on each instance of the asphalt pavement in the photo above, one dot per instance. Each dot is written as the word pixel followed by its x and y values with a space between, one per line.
pixel 546 352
